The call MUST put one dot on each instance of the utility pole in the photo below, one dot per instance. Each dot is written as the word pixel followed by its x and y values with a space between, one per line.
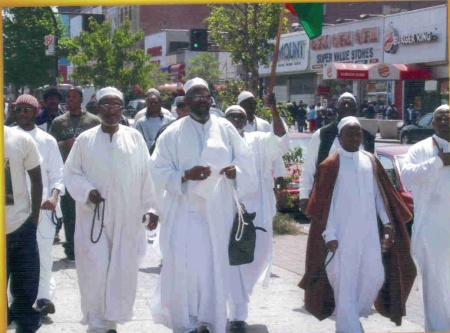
pixel 55 25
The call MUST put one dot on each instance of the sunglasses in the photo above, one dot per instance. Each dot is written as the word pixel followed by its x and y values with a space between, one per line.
pixel 236 116
pixel 115 107
pixel 25 109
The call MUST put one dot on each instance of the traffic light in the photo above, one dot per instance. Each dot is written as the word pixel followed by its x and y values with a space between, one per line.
pixel 198 40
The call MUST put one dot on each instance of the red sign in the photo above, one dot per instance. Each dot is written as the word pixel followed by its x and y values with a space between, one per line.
pixel 155 51
pixel 352 75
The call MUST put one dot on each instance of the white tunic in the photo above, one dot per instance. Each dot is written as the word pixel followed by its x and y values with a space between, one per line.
pixel 119 170
pixel 196 221
pixel 266 148
pixel 356 272
pixel 429 180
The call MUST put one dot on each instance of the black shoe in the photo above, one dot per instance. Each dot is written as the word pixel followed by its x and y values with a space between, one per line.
pixel 70 256
pixel 57 239
pixel 111 331
pixel 45 306
pixel 203 329
pixel 237 326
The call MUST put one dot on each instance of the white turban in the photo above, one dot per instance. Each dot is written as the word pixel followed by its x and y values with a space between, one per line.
pixel 108 91
pixel 347 121
pixel 347 95
pixel 153 91
pixel 195 82
pixel 235 108
pixel 244 95
pixel 442 108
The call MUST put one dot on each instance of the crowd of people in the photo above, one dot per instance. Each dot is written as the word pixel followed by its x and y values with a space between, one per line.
pixel 189 178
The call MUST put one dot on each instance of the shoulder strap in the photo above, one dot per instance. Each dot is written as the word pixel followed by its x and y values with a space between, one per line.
pixel 327 136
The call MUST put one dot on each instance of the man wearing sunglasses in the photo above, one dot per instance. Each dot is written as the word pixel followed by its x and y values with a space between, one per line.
pixel 108 172
pixel 65 130
pixel 153 119
pixel 52 182
pixel 266 148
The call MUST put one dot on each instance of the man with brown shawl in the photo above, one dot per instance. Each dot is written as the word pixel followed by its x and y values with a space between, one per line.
pixel 352 206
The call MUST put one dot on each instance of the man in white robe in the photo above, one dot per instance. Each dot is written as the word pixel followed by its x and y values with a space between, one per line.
pixel 426 170
pixel 356 271
pixel 52 175
pixel 108 169
pixel 198 161
pixel 266 147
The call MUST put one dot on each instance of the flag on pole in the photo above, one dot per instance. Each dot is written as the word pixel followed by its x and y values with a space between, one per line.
pixel 310 16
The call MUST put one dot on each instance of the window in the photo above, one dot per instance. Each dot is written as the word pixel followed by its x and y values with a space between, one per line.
pixel 388 165
pixel 425 120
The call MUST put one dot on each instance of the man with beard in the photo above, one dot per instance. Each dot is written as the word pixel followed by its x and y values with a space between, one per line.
pixel 198 161
pixel 52 98
pixel 65 130
pixel 154 119
pixel 426 170
pixel 266 148
pixel 109 250
pixel 324 142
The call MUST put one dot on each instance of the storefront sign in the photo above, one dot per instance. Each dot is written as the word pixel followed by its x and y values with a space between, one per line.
pixel 359 42
pixel 292 55
pixel 422 42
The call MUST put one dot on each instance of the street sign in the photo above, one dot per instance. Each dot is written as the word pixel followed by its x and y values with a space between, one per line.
pixel 49 42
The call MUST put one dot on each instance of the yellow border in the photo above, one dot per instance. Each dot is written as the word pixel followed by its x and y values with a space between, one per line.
pixel 31 3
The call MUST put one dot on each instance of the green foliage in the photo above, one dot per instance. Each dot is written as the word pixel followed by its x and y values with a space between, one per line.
pixel 25 62
pixel 244 30
pixel 293 156
pixel 205 66
pixel 104 58
pixel 229 96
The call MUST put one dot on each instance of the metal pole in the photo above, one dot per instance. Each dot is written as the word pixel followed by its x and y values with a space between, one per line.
pixel 55 25
pixel 275 51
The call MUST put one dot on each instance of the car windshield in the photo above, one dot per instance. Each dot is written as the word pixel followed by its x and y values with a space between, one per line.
pixel 425 120
pixel 300 142
pixel 401 162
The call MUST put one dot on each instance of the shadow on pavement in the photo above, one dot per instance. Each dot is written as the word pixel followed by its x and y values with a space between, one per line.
pixel 62 264
pixel 252 329
pixel 151 270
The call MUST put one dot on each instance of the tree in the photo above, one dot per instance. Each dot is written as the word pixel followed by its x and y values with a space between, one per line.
pixel 205 66
pixel 24 29
pixel 245 30
pixel 102 58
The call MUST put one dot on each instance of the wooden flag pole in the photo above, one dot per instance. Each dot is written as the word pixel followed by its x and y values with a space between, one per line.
pixel 275 51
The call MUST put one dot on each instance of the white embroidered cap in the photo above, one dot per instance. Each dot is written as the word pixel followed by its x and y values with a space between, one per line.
pixel 443 107
pixel 195 82
pixel 347 121
pixel 153 91
pixel 235 108
pixel 108 91
pixel 347 95
pixel 244 95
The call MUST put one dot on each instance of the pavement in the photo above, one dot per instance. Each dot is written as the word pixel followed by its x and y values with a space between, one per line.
pixel 276 309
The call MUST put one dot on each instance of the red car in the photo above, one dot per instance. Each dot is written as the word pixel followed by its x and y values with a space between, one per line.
pixel 392 158
pixel 288 198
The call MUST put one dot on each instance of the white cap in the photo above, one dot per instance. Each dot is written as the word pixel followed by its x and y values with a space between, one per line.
pixel 347 95
pixel 442 108
pixel 108 91
pixel 153 91
pixel 235 108
pixel 244 95
pixel 195 82
pixel 347 121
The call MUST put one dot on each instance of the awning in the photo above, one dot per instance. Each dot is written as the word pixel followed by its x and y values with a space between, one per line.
pixel 350 71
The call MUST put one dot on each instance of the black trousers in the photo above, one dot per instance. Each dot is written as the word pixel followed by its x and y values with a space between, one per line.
pixel 22 271
pixel 68 212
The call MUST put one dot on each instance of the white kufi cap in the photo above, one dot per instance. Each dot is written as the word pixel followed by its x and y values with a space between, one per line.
pixel 442 108
pixel 244 95
pixel 235 108
pixel 347 121
pixel 108 91
pixel 153 91
pixel 347 95
pixel 195 82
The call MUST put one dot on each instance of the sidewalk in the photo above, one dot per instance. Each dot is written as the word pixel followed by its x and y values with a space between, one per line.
pixel 276 309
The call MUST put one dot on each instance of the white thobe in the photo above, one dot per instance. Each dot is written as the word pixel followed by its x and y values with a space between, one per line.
pixel 356 272
pixel 142 113
pixel 310 163
pixel 52 178
pixel 196 221
pixel 266 148
pixel 119 168
pixel 424 172
pixel 260 125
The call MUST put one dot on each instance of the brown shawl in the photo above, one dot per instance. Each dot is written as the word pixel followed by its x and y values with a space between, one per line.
pixel 400 271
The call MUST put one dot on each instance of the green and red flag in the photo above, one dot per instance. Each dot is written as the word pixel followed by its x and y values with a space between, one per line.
pixel 310 16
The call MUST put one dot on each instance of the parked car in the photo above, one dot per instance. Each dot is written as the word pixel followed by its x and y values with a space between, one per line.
pixel 422 129
pixel 288 198
pixel 134 107
pixel 392 158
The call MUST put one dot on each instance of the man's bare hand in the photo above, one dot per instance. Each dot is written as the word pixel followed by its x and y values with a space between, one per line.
pixel 445 157
pixel 332 246
pixel 69 143
pixel 303 203
pixel 229 171
pixel 269 100
pixel 95 197
pixel 388 236
pixel 49 204
pixel 197 173
pixel 152 220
